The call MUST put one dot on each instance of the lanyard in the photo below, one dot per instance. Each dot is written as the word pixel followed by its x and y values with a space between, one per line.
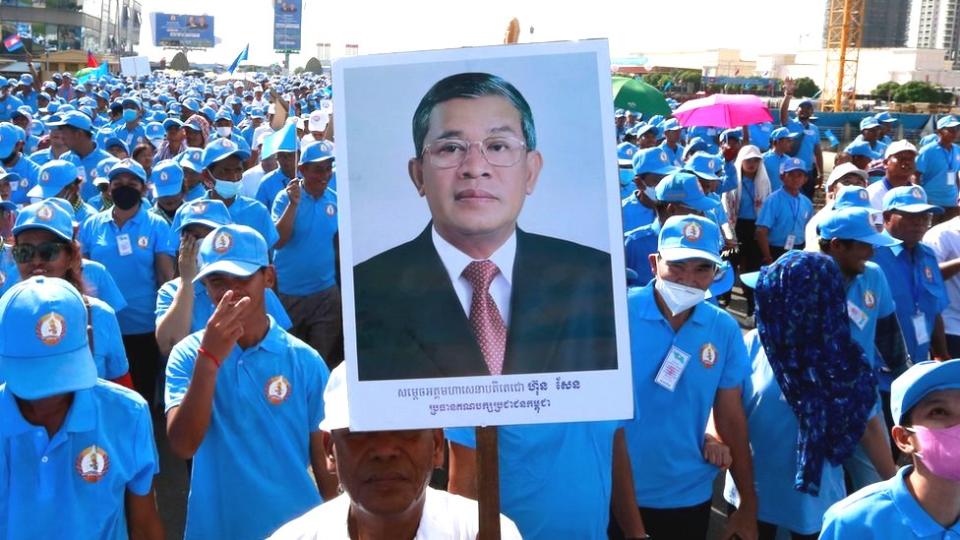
pixel 795 209
pixel 915 284
pixel 750 191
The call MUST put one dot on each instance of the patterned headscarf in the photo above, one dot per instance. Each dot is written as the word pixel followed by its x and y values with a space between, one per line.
pixel 824 375
pixel 198 123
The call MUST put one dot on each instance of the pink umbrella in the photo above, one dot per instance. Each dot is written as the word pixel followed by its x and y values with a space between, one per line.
pixel 723 111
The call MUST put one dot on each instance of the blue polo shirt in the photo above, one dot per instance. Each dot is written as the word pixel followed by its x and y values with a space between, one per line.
pixel 870 298
pixel 253 214
pixel 773 431
pixel 108 351
pixel 88 169
pixel 203 305
pixel 29 99
pixel 29 174
pixel 8 106
pixel 675 156
pixel 917 289
pixel 134 272
pixel 728 177
pixel 555 479
pixel 41 156
pixel 272 183
pixel 99 283
pixel 784 214
pixel 938 168
pixel 638 245
pixel 250 474
pixel 635 214
pixel 811 139
pixel 883 510
pixel 666 450
pixel 72 485
pixel 717 214
pixel 196 192
pixel 748 190
pixel 760 135
pixel 771 163
pixel 132 137
pixel 306 264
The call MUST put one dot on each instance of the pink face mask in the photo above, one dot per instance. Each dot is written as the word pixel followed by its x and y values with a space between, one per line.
pixel 940 450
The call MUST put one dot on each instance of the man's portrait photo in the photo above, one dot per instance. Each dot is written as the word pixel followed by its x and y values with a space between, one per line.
pixel 473 293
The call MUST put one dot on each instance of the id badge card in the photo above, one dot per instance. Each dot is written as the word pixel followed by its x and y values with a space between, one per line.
pixel 919 321
pixel 857 315
pixel 791 240
pixel 123 245
pixel 672 368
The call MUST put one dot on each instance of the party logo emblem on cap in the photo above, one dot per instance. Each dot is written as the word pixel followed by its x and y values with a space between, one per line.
pixel 92 464
pixel 916 193
pixel 864 196
pixel 24 183
pixel 692 231
pixel 51 328
pixel 712 165
pixel 331 210
pixel 45 177
pixel 44 213
pixel 869 300
pixel 199 208
pixel 926 272
pixel 163 177
pixel 278 390
pixel 876 221
pixel 222 242
pixel 708 355
pixel 143 242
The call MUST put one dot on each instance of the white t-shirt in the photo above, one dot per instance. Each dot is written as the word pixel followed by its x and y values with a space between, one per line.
pixel 250 181
pixel 877 190
pixel 944 239
pixel 445 517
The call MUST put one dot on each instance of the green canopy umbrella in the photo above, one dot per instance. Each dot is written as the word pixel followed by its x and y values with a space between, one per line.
pixel 636 95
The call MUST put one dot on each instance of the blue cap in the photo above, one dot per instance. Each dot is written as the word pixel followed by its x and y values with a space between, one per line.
pixel 868 122
pixel 625 153
pixel 26 79
pixel 191 104
pixel 128 166
pixel 852 197
pixel 154 130
pixel 47 215
pixel 805 102
pixel 116 141
pixel 43 339
pixel 653 160
pixel 927 139
pixel 727 133
pixel 885 117
pixel 224 114
pixel 696 144
pixel 947 121
pixel 689 237
pixel 209 212
pixel 52 177
pixel 750 279
pixel 8 139
pixel 191 158
pixel 671 125
pixel 861 148
pixel 236 250
pixel 921 379
pixel 257 112
pixel 722 281
pixel 220 149
pixel 75 119
pixel 684 188
pixel 704 165
pixel 909 199
pixel 172 122
pixel 854 224
pixel 167 178
pixel 642 128
pixel 131 101
pixel 316 152
pixel 208 113
pixel 8 176
pixel 793 164
pixel 101 172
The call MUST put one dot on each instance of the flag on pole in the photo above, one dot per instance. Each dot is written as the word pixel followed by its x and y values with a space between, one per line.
pixel 13 43
pixel 832 138
pixel 240 57
pixel 94 74
pixel 91 60
pixel 282 140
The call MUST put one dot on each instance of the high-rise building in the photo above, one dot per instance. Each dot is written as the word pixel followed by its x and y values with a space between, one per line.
pixel 884 23
pixel 101 26
pixel 933 24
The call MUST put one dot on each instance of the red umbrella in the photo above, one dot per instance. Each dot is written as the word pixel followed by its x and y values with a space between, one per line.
pixel 723 111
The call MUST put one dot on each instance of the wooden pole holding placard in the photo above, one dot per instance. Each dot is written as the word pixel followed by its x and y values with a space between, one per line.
pixel 488 483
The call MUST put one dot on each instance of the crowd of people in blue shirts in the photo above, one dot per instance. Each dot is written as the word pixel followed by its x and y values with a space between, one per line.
pixel 170 255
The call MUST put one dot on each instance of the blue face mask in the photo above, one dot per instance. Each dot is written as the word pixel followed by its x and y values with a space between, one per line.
pixel 129 115
pixel 226 188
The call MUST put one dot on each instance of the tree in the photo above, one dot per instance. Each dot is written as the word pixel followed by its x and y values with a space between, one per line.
pixel 313 66
pixel 885 90
pixel 805 87
pixel 917 92
pixel 180 62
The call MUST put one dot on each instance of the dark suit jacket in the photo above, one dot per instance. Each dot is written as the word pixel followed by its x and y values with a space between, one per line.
pixel 410 323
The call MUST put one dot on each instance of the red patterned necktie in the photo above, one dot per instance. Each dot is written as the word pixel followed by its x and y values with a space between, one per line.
pixel 485 318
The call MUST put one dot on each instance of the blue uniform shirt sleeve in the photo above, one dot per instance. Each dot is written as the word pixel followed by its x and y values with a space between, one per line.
pixel 275 309
pixel 162 244
pixel 767 213
pixel 180 370
pixel 147 464
pixel 886 306
pixel 83 236
pixel 108 341
pixel 464 436
pixel 737 368
pixel 165 298
pixel 315 392
pixel 279 205
pixel 101 285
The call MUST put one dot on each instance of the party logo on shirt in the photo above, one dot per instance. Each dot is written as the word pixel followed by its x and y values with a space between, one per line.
pixel 692 231
pixel 92 464
pixel 869 300
pixel 3 279
pixel 864 195
pixel 663 157
pixel 708 355
pixel 331 210
pixel 278 390
pixel 222 242
pixel 143 242
pixel 24 183
pixel 51 328
pixel 45 213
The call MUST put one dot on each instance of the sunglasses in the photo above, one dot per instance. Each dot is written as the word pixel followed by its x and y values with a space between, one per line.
pixel 47 251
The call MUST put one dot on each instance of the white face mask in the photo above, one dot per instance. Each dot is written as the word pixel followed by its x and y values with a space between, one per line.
pixel 224 131
pixel 677 297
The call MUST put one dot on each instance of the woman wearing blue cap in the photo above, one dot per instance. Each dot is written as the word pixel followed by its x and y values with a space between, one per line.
pixel 78 457
pixel 923 499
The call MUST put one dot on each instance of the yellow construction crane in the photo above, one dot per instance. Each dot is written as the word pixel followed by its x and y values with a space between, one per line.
pixel 844 34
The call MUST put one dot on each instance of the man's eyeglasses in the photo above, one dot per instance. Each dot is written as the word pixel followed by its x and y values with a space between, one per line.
pixel 498 151
pixel 47 251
